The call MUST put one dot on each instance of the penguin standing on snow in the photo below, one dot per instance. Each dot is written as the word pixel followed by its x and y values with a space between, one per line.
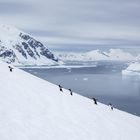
pixel 95 101
pixel 60 88
pixel 111 106
pixel 10 68
pixel 70 92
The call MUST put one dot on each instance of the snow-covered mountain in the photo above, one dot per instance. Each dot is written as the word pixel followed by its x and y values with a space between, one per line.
pixel 132 69
pixel 34 109
pixel 96 55
pixel 20 48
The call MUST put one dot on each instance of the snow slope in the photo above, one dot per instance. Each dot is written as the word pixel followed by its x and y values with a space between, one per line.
pixel 96 55
pixel 132 69
pixel 34 109
pixel 21 48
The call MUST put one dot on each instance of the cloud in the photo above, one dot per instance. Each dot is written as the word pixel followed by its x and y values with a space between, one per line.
pixel 82 21
pixel 12 8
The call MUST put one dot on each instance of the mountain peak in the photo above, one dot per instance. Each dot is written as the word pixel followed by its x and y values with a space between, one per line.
pixel 22 49
pixel 9 29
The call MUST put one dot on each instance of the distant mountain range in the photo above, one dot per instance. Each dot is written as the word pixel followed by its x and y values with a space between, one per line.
pixel 20 48
pixel 96 55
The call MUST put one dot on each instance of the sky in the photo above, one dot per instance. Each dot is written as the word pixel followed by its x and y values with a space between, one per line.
pixel 77 24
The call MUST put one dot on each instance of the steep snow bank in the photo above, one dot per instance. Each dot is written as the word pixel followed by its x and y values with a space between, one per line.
pixel 34 109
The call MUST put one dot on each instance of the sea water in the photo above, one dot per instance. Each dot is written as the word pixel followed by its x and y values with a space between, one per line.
pixel 104 82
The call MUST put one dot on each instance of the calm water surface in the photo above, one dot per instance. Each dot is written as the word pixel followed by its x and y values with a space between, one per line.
pixel 104 82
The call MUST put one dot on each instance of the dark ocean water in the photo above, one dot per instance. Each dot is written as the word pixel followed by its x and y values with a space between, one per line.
pixel 104 82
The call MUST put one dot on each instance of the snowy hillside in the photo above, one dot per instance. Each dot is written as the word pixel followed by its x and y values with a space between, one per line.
pixel 34 109
pixel 132 69
pixel 20 48
pixel 96 55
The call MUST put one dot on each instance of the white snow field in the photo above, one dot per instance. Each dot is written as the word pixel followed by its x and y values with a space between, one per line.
pixel 34 109
pixel 132 69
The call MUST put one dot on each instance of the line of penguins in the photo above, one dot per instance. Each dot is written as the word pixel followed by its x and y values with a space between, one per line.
pixel 71 93
pixel 94 99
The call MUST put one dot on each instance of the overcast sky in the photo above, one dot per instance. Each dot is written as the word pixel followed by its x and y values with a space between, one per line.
pixel 104 23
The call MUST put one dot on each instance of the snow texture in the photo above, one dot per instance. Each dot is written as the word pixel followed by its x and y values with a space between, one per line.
pixel 34 109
